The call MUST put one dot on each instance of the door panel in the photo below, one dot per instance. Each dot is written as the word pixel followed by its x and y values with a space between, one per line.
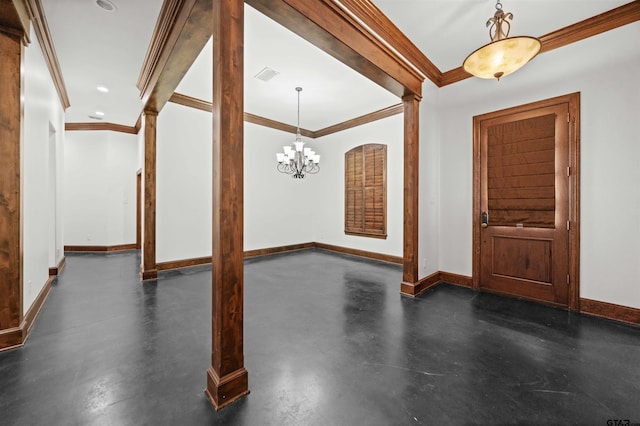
pixel 523 191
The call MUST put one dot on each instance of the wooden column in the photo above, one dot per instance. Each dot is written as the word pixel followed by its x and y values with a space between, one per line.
pixel 10 192
pixel 227 379
pixel 148 268
pixel 410 285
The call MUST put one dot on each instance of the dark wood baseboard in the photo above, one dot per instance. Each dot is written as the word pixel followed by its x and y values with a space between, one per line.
pixel 100 249
pixel 198 261
pixel 612 311
pixel 360 253
pixel 424 284
pixel 461 280
pixel 36 307
pixel 53 272
pixel 184 263
pixel 281 249
pixel 16 337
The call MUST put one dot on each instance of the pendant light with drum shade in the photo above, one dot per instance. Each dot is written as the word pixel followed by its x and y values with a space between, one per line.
pixel 296 160
pixel 504 54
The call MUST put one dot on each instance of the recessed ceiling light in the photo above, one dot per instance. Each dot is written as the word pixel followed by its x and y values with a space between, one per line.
pixel 94 117
pixel 100 113
pixel 102 89
pixel 106 5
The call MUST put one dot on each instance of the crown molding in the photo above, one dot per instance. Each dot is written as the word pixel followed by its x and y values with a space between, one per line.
pixel 101 126
pixel 196 103
pixel 48 50
pixel 202 105
pixel 589 27
pixel 359 121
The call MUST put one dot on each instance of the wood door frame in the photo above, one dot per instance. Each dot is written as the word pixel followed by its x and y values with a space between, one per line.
pixel 139 209
pixel 573 100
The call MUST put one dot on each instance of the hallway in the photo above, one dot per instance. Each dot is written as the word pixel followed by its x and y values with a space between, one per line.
pixel 328 341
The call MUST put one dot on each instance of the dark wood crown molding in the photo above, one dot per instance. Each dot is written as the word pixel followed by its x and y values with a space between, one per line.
pixel 101 126
pixel 202 105
pixel 182 30
pixel 359 121
pixel 43 34
pixel 589 27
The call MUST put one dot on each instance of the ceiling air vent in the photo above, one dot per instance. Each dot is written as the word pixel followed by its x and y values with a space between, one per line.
pixel 266 74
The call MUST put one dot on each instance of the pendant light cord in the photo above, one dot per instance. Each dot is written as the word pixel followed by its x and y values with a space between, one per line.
pixel 298 89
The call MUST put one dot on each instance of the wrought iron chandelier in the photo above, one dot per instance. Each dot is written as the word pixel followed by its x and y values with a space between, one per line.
pixel 296 160
pixel 504 54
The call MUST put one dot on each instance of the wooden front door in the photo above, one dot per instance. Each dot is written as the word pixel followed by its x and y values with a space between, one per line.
pixel 523 212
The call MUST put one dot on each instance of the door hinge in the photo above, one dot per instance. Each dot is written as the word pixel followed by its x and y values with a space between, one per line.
pixel 568 171
pixel 568 117
pixel 568 225
pixel 568 279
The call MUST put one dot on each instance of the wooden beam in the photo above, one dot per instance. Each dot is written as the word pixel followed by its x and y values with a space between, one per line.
pixel 328 26
pixel 227 379
pixel 589 27
pixel 11 247
pixel 149 270
pixel 182 30
pixel 15 19
pixel 101 126
pixel 410 279
pixel 372 17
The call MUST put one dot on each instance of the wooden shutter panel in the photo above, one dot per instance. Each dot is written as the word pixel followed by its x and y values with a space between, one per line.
pixel 521 173
pixel 353 191
pixel 365 191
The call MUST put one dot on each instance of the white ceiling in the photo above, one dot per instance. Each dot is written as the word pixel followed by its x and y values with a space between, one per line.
pixel 446 31
pixel 100 48
pixel 96 47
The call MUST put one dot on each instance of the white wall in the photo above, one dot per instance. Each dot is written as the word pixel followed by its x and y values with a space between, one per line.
pixel 43 137
pixel 276 207
pixel 328 188
pixel 278 210
pixel 429 183
pixel 610 159
pixel 183 183
pixel 100 188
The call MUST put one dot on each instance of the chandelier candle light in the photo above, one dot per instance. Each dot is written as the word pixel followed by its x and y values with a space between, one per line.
pixel 504 54
pixel 296 160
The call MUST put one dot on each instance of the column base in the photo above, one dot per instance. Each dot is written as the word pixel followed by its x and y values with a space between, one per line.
pixel 149 274
pixel 223 391
pixel 415 289
pixel 11 338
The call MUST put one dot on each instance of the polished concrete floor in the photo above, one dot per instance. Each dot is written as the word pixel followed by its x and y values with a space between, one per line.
pixel 328 341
